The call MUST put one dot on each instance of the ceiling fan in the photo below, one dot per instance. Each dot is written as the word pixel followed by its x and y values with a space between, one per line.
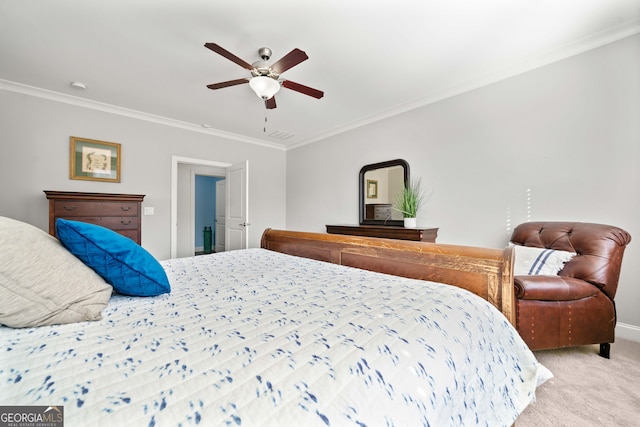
pixel 265 79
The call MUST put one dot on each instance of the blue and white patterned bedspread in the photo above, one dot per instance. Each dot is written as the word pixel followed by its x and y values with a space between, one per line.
pixel 255 337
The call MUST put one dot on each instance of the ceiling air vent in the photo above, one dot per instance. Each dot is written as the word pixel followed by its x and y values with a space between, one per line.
pixel 280 134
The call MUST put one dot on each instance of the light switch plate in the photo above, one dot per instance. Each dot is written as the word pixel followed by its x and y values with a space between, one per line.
pixel 149 210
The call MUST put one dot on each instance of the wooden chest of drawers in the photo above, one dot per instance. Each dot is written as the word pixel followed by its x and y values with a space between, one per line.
pixel 118 212
pixel 380 211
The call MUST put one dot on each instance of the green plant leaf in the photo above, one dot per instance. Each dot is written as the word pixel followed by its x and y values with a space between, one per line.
pixel 411 199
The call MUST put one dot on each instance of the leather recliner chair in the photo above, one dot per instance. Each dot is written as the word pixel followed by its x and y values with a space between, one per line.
pixel 576 307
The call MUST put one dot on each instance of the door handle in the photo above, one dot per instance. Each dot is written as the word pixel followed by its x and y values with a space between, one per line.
pixel 245 224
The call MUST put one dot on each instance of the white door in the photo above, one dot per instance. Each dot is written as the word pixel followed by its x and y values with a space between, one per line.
pixel 237 236
pixel 221 199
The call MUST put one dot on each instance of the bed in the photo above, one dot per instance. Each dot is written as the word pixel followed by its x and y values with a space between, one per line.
pixel 310 329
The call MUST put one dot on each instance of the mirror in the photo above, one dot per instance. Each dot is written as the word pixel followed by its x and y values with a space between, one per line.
pixel 380 184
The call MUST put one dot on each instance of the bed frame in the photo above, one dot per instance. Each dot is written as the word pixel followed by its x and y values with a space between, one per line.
pixel 483 271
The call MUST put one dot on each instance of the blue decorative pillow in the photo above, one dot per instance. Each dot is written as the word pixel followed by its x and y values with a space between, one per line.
pixel 120 261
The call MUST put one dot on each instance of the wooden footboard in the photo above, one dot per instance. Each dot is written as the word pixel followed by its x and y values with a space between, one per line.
pixel 483 271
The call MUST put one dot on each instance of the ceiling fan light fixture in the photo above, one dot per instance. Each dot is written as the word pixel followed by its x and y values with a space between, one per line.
pixel 264 87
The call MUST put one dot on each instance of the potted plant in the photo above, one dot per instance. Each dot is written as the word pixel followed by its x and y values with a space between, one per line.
pixel 409 202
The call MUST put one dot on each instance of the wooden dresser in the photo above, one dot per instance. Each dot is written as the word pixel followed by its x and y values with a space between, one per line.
pixel 386 232
pixel 118 212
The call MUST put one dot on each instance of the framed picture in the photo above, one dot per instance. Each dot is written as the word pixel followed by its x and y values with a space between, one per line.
pixel 94 160
pixel 372 189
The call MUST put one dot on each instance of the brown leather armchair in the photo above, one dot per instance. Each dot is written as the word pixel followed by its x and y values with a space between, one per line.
pixel 576 307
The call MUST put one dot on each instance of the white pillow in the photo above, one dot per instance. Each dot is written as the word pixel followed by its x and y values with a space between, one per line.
pixel 41 283
pixel 539 261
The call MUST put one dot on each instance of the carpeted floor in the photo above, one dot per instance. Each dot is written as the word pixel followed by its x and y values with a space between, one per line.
pixel 588 390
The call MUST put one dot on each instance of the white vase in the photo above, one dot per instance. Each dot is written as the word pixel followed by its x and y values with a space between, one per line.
pixel 409 223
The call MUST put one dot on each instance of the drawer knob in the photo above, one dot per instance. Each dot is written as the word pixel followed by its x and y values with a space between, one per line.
pixel 123 222
pixel 125 208
pixel 69 208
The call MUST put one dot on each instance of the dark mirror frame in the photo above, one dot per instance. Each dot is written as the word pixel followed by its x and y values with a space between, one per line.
pixel 374 166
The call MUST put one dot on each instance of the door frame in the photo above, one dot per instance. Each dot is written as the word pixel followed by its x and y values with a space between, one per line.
pixel 175 161
pixel 221 200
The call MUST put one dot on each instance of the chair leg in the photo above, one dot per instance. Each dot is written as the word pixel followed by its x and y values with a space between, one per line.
pixel 605 350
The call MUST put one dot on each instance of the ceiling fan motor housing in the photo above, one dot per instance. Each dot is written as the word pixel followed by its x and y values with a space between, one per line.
pixel 262 68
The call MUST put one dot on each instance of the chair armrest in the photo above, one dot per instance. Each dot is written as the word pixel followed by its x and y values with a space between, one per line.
pixel 552 288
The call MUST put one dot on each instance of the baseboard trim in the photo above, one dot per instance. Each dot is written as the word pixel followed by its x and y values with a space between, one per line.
pixel 629 332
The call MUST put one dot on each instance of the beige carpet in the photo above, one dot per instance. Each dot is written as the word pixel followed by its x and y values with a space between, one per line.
pixel 588 390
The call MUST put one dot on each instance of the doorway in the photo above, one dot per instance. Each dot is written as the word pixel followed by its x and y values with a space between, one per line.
pixel 209 213
pixel 183 172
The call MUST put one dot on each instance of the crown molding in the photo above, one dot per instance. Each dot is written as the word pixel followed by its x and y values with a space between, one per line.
pixel 560 53
pixel 121 111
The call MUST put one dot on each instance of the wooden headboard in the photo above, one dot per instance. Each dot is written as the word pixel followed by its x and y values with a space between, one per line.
pixel 483 271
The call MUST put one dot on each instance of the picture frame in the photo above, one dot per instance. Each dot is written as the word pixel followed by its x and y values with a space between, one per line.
pixel 93 160
pixel 372 189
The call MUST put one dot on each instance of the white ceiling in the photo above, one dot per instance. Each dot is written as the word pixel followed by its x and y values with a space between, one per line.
pixel 372 58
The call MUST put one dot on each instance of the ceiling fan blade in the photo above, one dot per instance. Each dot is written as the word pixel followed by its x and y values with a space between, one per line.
pixel 291 59
pixel 270 103
pixel 227 83
pixel 303 89
pixel 230 56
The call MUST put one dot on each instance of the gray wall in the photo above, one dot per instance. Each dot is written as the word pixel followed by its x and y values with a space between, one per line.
pixel 561 142
pixel 34 136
